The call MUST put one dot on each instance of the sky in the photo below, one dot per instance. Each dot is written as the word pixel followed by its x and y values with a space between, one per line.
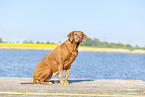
pixel 117 21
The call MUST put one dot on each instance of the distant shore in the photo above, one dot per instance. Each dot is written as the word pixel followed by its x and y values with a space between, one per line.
pixel 85 49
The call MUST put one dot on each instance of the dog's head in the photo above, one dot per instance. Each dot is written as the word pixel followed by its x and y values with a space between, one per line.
pixel 77 36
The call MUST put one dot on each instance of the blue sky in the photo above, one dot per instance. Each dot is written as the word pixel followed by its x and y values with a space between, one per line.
pixel 51 20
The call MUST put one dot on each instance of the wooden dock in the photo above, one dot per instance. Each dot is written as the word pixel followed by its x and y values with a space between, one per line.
pixel 10 87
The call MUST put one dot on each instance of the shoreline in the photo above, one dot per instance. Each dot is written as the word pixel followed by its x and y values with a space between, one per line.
pixel 85 49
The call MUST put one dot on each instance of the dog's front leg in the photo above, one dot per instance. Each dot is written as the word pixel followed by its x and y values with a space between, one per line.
pixel 68 69
pixel 61 74
pixel 66 76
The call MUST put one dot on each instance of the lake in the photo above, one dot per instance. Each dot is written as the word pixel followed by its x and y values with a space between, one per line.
pixel 94 65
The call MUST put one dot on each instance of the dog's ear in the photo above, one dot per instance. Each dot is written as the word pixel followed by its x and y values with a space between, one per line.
pixel 70 36
pixel 84 37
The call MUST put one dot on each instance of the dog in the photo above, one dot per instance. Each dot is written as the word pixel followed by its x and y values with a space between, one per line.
pixel 58 60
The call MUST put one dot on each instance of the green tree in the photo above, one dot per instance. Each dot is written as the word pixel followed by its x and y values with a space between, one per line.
pixel 59 42
pixel 25 41
pixel 47 42
pixel 136 46
pixel 30 41
pixel 112 45
pixel 106 44
pixel 128 46
pixel 42 43
pixel 38 42
pixel 88 42
pixel 1 40
pixel 52 43
pixel 97 43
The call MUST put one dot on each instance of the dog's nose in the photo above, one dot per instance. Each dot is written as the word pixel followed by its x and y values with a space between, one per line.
pixel 80 37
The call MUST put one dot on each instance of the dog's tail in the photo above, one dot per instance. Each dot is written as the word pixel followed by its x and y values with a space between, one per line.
pixel 28 83
pixel 34 81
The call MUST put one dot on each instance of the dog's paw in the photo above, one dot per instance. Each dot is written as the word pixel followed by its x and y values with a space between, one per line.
pixel 62 82
pixel 66 83
pixel 50 83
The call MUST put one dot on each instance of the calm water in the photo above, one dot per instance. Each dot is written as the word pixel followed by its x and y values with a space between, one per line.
pixel 21 63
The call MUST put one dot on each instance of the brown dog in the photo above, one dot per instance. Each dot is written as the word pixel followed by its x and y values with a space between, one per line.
pixel 58 60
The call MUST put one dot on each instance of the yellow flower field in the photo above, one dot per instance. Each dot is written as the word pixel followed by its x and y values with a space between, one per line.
pixel 33 45
pixel 52 46
pixel 28 45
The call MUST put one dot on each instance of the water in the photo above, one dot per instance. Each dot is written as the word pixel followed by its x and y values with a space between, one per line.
pixel 21 63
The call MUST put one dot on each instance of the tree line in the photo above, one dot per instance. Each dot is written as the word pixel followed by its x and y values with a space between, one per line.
pixel 28 41
pixel 38 42
pixel 97 43
pixel 89 42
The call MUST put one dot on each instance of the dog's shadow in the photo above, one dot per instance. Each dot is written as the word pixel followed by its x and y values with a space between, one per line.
pixel 79 80
pixel 75 80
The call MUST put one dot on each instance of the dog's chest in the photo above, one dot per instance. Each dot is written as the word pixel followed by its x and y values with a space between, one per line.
pixel 67 63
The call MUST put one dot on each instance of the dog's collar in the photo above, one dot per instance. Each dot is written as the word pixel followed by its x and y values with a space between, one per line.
pixel 70 47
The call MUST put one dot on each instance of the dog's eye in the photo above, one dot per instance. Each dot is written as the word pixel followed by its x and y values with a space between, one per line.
pixel 76 34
